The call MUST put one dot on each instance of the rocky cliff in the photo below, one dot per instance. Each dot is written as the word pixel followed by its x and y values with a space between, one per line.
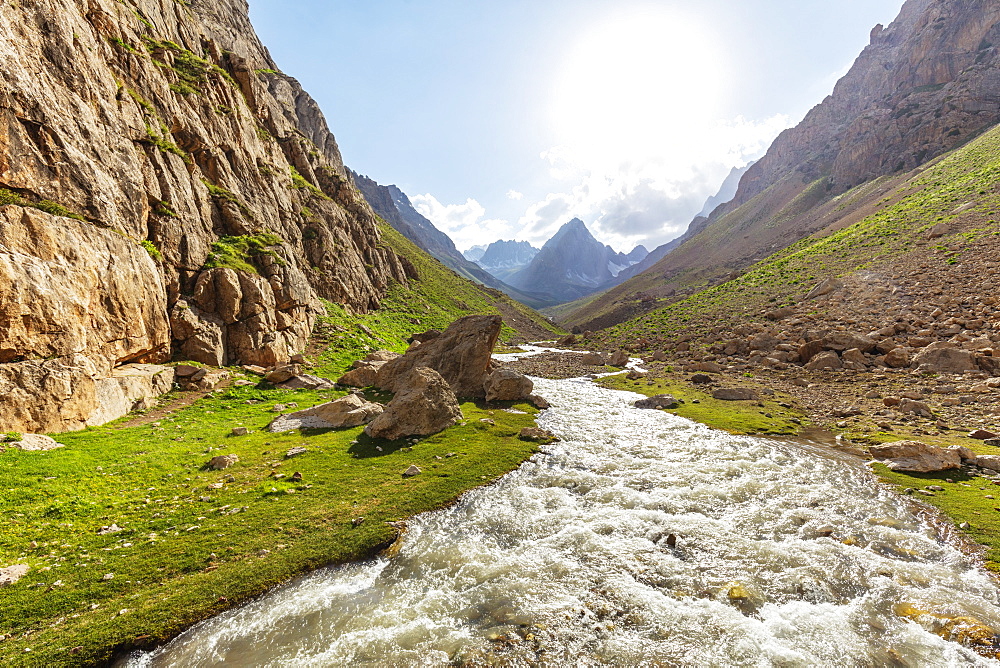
pixel 164 191
pixel 926 84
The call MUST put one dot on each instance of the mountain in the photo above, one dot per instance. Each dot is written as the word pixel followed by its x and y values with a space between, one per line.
pixel 394 207
pixel 504 258
pixel 926 84
pixel 726 192
pixel 165 193
pixel 474 253
pixel 572 264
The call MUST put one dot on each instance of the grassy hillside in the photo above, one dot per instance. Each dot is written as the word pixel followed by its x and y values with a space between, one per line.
pixel 959 192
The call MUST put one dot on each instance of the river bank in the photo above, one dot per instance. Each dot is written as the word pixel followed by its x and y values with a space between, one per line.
pixel 638 538
pixel 130 536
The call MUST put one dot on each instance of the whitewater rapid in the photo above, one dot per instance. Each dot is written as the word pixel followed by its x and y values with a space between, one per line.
pixel 780 555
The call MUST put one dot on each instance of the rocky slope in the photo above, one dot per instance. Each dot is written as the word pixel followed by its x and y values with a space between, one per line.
pixel 573 264
pixel 395 208
pixel 163 189
pixel 926 84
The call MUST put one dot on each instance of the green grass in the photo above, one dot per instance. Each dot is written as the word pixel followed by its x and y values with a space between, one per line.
pixel 9 197
pixel 299 182
pixel 185 553
pixel 165 145
pixel 962 501
pixel 736 417
pixel 151 248
pixel 239 253
pixel 192 71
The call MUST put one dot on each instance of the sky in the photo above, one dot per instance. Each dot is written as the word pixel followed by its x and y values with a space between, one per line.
pixel 506 119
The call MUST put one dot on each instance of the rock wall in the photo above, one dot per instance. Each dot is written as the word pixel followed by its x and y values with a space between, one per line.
pixel 167 124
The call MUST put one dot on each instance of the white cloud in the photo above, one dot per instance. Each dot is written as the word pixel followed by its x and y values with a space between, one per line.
pixel 464 223
pixel 515 195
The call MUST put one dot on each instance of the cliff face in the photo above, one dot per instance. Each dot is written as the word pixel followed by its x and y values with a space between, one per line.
pixel 161 122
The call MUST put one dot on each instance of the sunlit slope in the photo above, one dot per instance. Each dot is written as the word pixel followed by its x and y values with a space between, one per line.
pixel 933 232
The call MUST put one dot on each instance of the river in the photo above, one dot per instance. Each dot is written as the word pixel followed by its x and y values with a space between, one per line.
pixel 639 539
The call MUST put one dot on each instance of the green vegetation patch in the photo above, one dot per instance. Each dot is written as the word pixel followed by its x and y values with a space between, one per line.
pixel 764 417
pixel 9 197
pixel 963 500
pixel 164 144
pixel 151 248
pixel 131 537
pixel 239 253
pixel 220 193
pixel 192 70
pixel 299 182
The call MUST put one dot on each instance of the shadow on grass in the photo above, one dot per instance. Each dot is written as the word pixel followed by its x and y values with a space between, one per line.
pixel 368 447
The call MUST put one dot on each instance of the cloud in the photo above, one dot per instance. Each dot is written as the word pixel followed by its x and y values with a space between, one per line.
pixel 464 223
pixel 647 196
pixel 514 195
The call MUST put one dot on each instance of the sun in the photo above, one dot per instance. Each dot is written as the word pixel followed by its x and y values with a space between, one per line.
pixel 645 77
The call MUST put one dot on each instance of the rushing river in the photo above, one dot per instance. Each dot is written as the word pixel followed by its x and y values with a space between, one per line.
pixel 640 539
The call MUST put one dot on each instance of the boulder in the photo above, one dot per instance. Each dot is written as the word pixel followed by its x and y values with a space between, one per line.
pixel 381 356
pixel 593 359
pixel 361 376
pixel 825 361
pixel 424 404
pixel 35 442
pixel 897 358
pixel 841 341
pixel 780 314
pixel 915 407
pixel 12 574
pixel 506 385
pixel 618 359
pixel 825 288
pixel 658 401
pixel 964 453
pixel 854 360
pixel 916 457
pixel 735 394
pixel 567 340
pixel 539 402
pixel 282 373
pixel 635 374
pixel 221 462
pixel 701 379
pixel 306 382
pixel 809 350
pixel 461 355
pixel 989 363
pixel 350 411
pixel 982 435
pixel 764 342
pixel 944 357
pixel 706 367
pixel 424 337
pixel 210 381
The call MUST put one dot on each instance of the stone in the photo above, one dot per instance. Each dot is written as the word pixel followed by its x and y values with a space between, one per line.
pixel 982 434
pixel 658 401
pixel 825 361
pixel 361 376
pixel 295 452
pixel 423 405
pixel 12 574
pixel 506 385
pixel 411 471
pixel 635 374
pixel 35 442
pixel 567 340
pixel 780 314
pixel 221 462
pixel 993 442
pixel 916 457
pixel 381 356
pixel 618 359
pixel 916 407
pixel 841 341
pixel 991 462
pixel 701 379
pixel 539 402
pixel 809 350
pixel 537 435
pixel 240 431
pixel 210 381
pixel 306 382
pixel 965 454
pixel 350 411
pixel 943 357
pixel 706 367
pixel 855 360
pixel 593 359
pixel 897 358
pixel 735 394
pixel 282 373
pixel 824 288
pixel 185 371
pixel 462 355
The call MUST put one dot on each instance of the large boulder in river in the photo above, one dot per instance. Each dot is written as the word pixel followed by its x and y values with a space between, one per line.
pixel 916 457
pixel 461 355
pixel 424 405
pixel 618 359
pixel 507 385
pixel 350 411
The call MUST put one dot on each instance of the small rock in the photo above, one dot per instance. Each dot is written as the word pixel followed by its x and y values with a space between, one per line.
pixel 983 435
pixel 221 462
pixel 12 574
pixel 539 402
pixel 964 526
pixel 412 471
pixel 114 528
pixel 358 521
pixel 108 576
pixel 536 434
pixel 295 452
pixel 701 379
pixel 658 401
pixel 297 476
pixel 240 431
